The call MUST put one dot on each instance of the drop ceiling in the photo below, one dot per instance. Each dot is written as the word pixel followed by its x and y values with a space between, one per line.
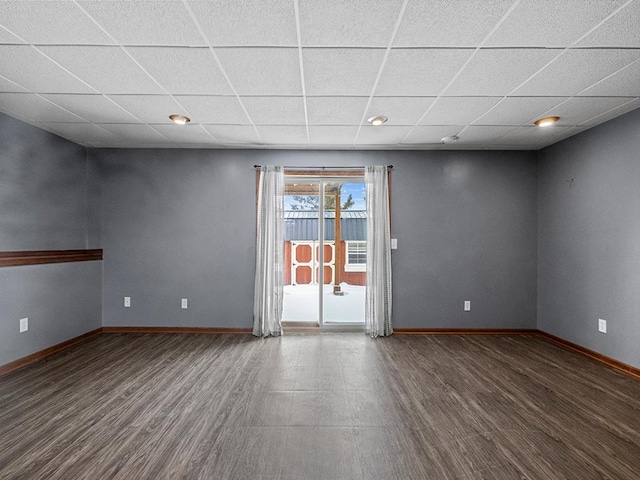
pixel 308 73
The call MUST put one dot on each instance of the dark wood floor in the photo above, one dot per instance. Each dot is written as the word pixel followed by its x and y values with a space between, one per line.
pixel 322 406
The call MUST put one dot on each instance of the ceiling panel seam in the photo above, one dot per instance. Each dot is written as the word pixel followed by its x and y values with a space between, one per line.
pixel 464 65
pixel 381 69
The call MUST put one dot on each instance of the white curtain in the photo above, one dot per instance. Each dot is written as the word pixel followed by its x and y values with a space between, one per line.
pixel 268 290
pixel 378 291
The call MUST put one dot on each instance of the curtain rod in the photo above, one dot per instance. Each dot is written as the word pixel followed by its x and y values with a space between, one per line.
pixel 323 168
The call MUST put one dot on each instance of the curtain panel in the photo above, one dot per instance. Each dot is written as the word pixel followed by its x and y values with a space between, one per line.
pixel 378 292
pixel 268 287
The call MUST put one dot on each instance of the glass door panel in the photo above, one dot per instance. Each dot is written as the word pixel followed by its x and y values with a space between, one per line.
pixel 301 299
pixel 345 223
pixel 324 277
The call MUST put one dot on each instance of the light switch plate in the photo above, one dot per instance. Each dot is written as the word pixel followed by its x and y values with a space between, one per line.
pixel 127 302
pixel 394 244
pixel 24 324
pixel 602 325
pixel 467 305
pixel 184 304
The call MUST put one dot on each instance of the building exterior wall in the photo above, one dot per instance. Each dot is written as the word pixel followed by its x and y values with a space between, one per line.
pixel 352 278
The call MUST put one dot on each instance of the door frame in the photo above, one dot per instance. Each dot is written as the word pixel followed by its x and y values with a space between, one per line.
pixel 322 178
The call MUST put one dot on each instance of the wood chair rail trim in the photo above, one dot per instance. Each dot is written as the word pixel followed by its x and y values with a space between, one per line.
pixel 41 257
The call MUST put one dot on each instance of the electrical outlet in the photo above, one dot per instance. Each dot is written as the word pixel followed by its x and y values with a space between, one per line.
pixel 602 325
pixel 24 324
pixel 184 304
pixel 467 305
pixel 127 302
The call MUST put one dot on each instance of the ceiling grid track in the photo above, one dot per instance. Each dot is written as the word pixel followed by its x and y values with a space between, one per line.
pixel 222 70
pixel 486 38
pixel 299 74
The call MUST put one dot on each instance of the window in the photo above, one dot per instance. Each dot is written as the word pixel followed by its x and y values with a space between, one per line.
pixel 356 260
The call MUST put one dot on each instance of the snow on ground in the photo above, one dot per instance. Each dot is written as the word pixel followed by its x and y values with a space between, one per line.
pixel 301 304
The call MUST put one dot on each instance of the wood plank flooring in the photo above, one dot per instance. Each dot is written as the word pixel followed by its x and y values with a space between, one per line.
pixel 335 406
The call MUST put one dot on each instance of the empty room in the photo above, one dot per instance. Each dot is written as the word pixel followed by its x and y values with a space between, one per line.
pixel 320 239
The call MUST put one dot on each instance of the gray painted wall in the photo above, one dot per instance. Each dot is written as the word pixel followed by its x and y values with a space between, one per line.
pixel 44 206
pixel 61 301
pixel 589 238
pixel 181 223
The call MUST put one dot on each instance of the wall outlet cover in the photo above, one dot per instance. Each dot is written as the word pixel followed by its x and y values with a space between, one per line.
pixel 467 305
pixel 24 324
pixel 184 304
pixel 127 302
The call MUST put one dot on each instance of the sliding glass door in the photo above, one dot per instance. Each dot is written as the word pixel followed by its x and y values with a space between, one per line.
pixel 325 251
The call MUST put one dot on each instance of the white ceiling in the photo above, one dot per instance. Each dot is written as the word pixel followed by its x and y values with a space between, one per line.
pixel 308 73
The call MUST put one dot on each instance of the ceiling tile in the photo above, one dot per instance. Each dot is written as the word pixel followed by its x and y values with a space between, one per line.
pixel 420 72
pixel 352 23
pixel 341 71
pixel 399 110
pixel 384 134
pixel 560 77
pixel 262 71
pixel 519 110
pixel 183 70
pixel 94 108
pixel 498 72
pixel 108 69
pixel 30 69
pixel 632 104
pixel 335 110
pixel 458 110
pixel 149 108
pixel 431 134
pixel 447 23
pixel 8 37
pixel 481 135
pixel 136 134
pixel 535 135
pixel 35 108
pixel 551 23
pixel 83 134
pixel 578 110
pixel 337 146
pixel 186 134
pixel 167 67
pixel 625 82
pixel 621 30
pixel 210 109
pixel 7 85
pixel 275 110
pixel 145 22
pixel 234 134
pixel 248 22
pixel 561 135
pixel 47 22
pixel 332 135
pixel 289 135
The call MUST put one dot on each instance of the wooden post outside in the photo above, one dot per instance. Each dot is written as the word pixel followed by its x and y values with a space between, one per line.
pixel 337 255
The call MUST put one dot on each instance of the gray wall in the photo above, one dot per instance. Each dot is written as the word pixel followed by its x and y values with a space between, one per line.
pixel 181 223
pixel 589 238
pixel 44 206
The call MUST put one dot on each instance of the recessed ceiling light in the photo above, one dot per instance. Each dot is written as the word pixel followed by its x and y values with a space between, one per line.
pixel 180 119
pixel 377 120
pixel 450 139
pixel 546 121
